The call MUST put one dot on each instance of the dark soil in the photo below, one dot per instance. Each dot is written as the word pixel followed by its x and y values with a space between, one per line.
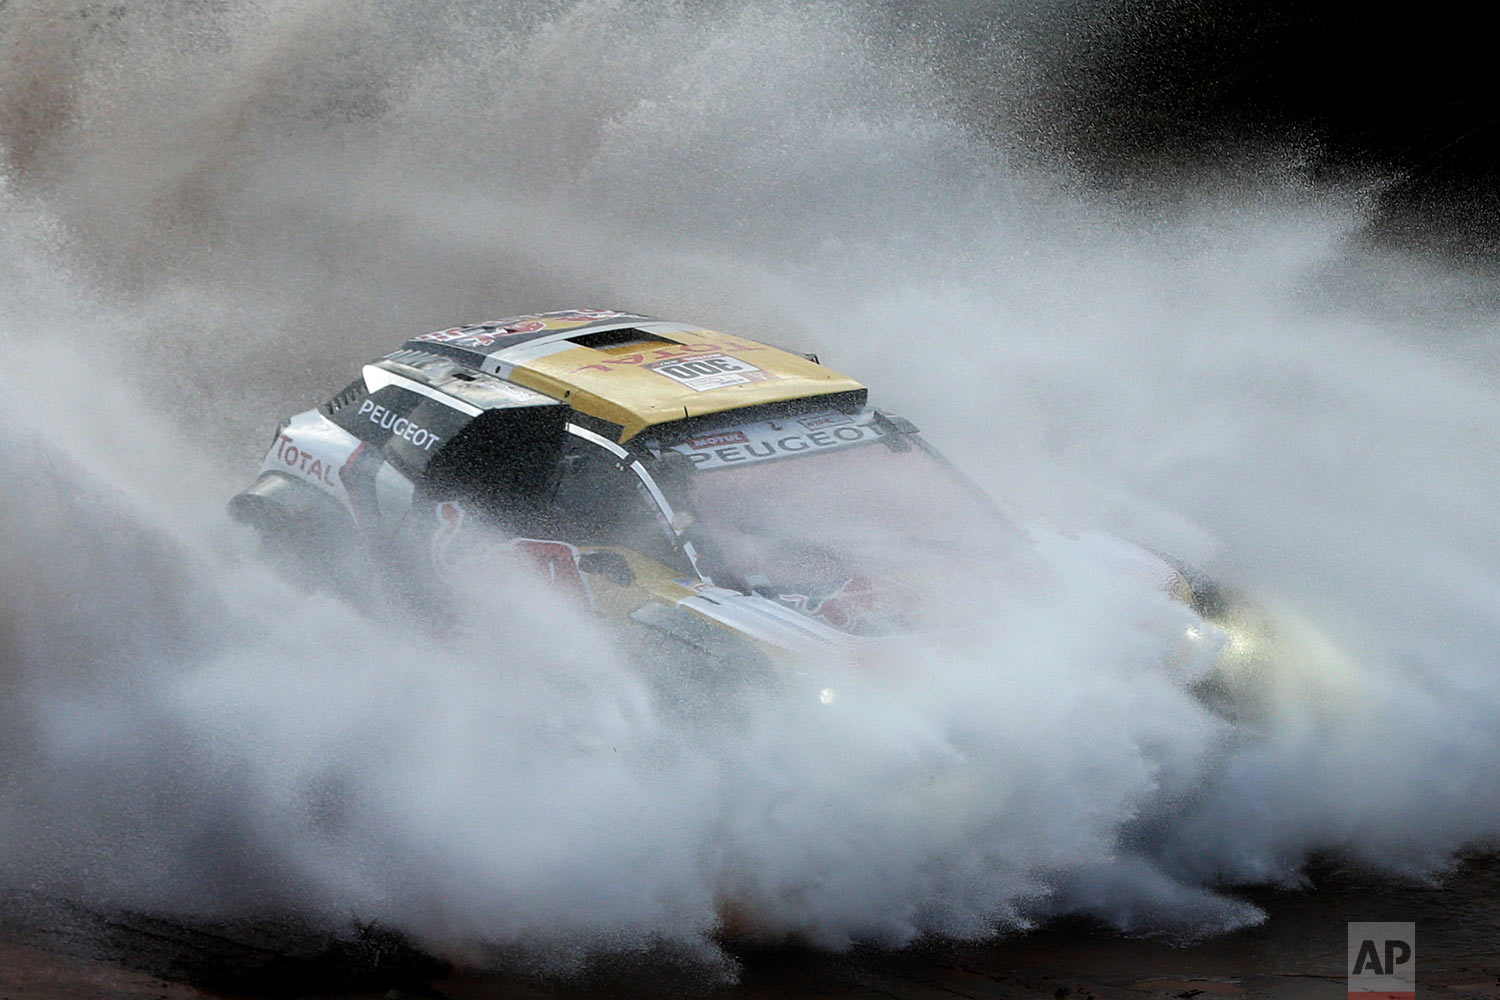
pixel 66 951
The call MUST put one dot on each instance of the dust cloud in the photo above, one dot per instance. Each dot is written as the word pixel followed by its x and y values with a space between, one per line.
pixel 212 212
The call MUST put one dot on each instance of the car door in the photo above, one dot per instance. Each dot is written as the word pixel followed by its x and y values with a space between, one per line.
pixel 627 553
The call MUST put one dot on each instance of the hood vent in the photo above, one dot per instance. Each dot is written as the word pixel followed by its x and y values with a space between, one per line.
pixel 605 339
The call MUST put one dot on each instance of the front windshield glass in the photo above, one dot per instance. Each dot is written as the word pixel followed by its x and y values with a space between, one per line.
pixel 846 521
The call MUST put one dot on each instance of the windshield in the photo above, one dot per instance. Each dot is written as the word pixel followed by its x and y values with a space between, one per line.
pixel 851 522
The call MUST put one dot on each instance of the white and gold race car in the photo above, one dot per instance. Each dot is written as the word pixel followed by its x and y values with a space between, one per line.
pixel 709 493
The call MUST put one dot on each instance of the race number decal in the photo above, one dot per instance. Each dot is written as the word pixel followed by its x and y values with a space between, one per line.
pixel 709 371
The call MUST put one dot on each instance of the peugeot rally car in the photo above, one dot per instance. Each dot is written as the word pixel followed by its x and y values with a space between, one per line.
pixel 701 489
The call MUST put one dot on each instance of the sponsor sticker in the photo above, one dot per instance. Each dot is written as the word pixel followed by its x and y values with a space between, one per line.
pixel 312 448
pixel 304 461
pixel 442 336
pixel 853 600
pixel 709 371
pixel 461 562
pixel 583 315
pixel 833 419
pixel 717 440
pixel 771 439
pixel 401 427
pixel 484 335
pixel 1382 961
pixel 487 336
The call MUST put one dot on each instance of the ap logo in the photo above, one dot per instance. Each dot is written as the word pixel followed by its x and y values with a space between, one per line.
pixel 1382 961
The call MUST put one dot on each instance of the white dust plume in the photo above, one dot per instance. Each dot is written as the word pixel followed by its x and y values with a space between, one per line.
pixel 212 213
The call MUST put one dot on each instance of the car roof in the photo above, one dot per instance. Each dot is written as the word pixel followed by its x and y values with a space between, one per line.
pixel 636 371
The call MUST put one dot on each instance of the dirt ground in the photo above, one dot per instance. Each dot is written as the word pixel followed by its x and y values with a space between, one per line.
pixel 1298 953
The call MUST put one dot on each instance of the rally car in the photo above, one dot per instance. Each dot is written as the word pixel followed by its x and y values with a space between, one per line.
pixel 700 489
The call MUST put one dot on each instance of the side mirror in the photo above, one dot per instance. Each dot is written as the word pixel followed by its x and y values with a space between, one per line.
pixel 610 565
pixel 894 430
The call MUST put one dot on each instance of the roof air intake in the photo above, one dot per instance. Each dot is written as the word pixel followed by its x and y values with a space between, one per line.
pixel 617 338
